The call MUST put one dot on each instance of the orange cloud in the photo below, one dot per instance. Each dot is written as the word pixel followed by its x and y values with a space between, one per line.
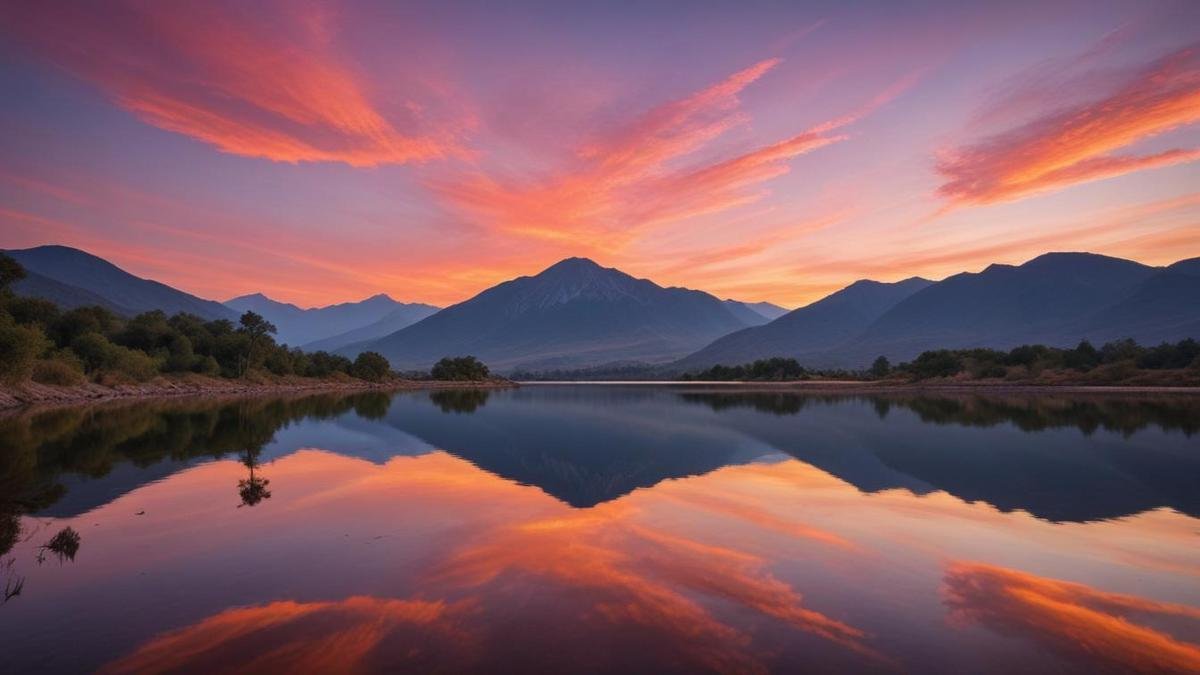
pixel 1075 620
pixel 252 86
pixel 1075 145
pixel 315 637
pixel 621 183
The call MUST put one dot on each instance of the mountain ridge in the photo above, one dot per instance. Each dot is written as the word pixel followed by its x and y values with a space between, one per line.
pixel 573 313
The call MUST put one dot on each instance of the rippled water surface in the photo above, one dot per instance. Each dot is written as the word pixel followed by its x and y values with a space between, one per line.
pixel 596 529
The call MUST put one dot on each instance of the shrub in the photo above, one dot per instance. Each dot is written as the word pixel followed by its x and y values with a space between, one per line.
pixel 20 346
pixel 98 354
pixel 937 363
pixel 371 366
pixel 57 371
pixel 461 368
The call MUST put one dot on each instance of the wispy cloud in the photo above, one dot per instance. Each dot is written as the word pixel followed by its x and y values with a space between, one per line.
pixel 1078 144
pixel 639 176
pixel 268 87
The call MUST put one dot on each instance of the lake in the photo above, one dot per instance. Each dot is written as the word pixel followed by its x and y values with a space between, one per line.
pixel 603 529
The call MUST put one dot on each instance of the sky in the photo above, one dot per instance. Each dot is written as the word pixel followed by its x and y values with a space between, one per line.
pixel 321 152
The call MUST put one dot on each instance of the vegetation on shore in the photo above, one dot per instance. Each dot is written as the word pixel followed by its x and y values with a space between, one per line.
pixel 40 342
pixel 1118 362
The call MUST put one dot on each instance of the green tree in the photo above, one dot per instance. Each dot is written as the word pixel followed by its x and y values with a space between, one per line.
pixel 371 366
pixel 259 330
pixel 1083 357
pixel 881 368
pixel 20 347
pixel 937 363
pixel 10 271
pixel 461 368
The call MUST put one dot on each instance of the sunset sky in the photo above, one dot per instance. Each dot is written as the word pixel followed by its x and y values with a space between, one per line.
pixel 323 152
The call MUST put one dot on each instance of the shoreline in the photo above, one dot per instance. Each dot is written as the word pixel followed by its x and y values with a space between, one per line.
pixel 32 394
pixel 859 387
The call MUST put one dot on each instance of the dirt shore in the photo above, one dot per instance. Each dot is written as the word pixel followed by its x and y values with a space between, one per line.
pixel 32 393
pixel 860 387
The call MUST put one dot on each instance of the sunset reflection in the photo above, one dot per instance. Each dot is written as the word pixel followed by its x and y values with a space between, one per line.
pixel 429 563
pixel 1108 629
pixel 314 637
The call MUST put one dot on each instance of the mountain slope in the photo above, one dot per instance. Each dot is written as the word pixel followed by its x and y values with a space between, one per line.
pixel 754 313
pixel 1002 306
pixel 298 326
pixel 573 314
pixel 403 316
pixel 819 326
pixel 1190 266
pixel 767 309
pixel 64 295
pixel 95 275
pixel 1164 307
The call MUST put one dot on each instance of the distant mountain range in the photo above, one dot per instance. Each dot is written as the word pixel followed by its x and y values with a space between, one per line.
pixel 573 314
pixel 73 278
pixel 335 325
pixel 754 313
pixel 1055 299
pixel 577 314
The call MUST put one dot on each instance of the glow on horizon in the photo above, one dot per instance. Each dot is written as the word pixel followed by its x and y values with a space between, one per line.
pixel 327 151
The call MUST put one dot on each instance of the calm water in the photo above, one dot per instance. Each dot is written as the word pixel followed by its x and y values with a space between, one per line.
pixel 603 529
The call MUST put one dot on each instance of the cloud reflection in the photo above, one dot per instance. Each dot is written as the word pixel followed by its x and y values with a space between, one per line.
pixel 1076 620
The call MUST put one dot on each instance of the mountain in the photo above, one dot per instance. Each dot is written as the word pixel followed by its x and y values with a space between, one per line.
pixel 1055 299
pixel 64 295
pixel 767 309
pixel 816 327
pixel 298 326
pixel 574 314
pixel 754 313
pixel 93 275
pixel 1042 301
pixel 1164 307
pixel 402 316
pixel 1191 266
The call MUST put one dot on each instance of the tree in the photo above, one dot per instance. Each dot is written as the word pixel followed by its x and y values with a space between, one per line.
pixel 10 272
pixel 1083 357
pixel 371 366
pixel 254 489
pixel 20 347
pixel 881 368
pixel 257 329
pixel 937 363
pixel 461 368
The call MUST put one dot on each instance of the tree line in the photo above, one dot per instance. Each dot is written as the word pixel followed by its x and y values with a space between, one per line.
pixel 1112 362
pixel 41 342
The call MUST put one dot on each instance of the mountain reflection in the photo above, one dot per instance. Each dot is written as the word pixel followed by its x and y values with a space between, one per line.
pixel 1062 458
pixel 435 565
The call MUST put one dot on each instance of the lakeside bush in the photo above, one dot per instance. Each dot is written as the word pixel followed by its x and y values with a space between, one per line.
pixel 764 370
pixel 461 369
pixel 40 341
pixel 1111 363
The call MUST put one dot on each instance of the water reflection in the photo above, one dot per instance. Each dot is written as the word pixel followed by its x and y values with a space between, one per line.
pixel 606 530
pixel 586 447
pixel 1112 630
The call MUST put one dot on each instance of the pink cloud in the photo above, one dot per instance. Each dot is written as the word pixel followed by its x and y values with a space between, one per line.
pixel 268 87
pixel 1076 145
